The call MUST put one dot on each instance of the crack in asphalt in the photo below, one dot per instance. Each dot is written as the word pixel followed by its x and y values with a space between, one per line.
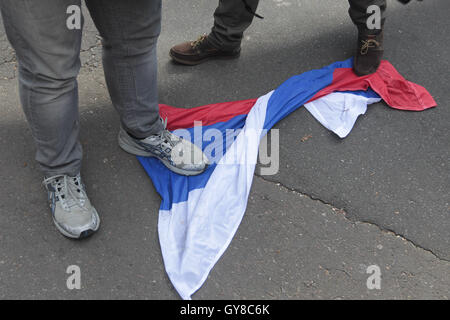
pixel 13 59
pixel 96 45
pixel 344 214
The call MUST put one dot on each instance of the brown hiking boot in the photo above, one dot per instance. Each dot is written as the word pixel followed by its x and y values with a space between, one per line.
pixel 198 51
pixel 369 53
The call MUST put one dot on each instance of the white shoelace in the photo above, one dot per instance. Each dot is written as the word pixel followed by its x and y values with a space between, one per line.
pixel 68 190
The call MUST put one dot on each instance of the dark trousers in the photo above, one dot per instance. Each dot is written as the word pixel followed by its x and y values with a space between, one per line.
pixel 231 19
pixel 48 56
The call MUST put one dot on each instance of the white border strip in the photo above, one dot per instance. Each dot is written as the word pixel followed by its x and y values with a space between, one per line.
pixel 194 234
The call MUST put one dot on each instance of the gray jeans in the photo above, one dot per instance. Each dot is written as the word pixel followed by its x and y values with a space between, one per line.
pixel 49 62
pixel 231 19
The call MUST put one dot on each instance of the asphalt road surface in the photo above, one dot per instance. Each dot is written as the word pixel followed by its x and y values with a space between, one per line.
pixel 380 197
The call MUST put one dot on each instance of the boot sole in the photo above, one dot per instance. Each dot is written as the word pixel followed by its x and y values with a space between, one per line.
pixel 196 62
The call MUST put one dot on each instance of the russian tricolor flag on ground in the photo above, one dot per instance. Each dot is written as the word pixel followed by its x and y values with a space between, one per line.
pixel 199 215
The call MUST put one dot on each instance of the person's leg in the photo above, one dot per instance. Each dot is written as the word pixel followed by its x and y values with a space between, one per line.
pixel 48 55
pixel 358 13
pixel 48 58
pixel 129 31
pixel 231 19
pixel 370 48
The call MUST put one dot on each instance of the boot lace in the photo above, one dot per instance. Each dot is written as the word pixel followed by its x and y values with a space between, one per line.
pixel 196 43
pixel 367 44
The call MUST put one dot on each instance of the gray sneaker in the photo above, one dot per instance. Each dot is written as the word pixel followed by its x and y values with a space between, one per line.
pixel 177 154
pixel 72 212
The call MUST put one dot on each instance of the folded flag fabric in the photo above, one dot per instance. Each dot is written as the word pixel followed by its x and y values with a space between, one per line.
pixel 199 215
pixel 338 111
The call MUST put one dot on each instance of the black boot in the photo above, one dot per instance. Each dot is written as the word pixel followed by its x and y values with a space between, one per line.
pixel 369 53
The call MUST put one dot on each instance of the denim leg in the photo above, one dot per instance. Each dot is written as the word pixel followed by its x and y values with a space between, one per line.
pixel 231 19
pixel 48 57
pixel 129 31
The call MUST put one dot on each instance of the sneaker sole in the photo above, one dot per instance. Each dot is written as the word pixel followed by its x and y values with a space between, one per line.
pixel 83 234
pixel 131 147
pixel 194 63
